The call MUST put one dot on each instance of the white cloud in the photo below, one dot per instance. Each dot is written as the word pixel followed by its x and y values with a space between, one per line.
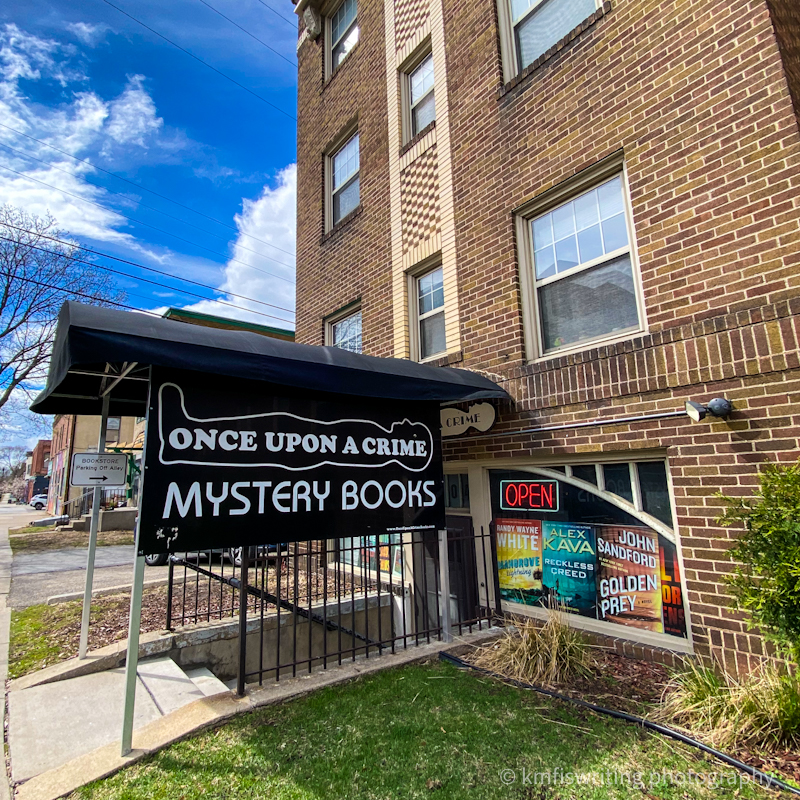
pixel 23 55
pixel 132 115
pixel 88 33
pixel 270 218
pixel 87 126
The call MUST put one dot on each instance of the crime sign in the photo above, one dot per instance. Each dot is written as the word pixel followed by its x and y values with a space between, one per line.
pixel 243 465
pixel 98 469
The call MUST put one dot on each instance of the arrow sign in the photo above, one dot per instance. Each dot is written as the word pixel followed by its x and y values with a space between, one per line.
pixel 89 469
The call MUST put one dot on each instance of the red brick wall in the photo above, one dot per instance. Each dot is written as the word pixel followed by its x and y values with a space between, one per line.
pixel 352 262
pixel 697 97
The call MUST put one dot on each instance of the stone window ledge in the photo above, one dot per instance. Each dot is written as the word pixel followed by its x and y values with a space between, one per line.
pixel 342 223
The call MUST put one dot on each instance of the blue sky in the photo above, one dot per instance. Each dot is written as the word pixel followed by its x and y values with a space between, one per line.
pixel 90 81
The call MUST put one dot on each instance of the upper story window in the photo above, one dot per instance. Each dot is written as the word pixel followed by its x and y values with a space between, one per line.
pixel 421 96
pixel 345 332
pixel 343 32
pixel 585 288
pixel 532 27
pixel 345 189
pixel 430 314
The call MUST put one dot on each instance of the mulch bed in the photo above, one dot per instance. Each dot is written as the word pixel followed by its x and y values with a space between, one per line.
pixel 636 687
pixel 109 615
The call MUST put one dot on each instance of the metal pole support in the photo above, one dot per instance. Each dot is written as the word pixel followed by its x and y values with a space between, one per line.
pixel 240 680
pixel 96 500
pixel 444 585
pixel 132 659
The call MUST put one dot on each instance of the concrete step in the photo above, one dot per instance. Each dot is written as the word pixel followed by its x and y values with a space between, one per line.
pixel 206 681
pixel 168 684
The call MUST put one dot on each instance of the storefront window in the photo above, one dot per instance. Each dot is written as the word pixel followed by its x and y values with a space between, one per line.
pixel 560 543
pixel 373 554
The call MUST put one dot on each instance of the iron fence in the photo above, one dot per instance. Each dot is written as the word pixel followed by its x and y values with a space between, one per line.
pixel 308 605
pixel 81 505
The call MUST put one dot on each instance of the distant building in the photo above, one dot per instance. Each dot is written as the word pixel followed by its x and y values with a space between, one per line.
pixel 78 434
pixel 37 465
pixel 227 323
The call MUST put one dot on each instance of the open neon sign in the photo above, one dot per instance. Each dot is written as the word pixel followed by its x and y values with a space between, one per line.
pixel 529 495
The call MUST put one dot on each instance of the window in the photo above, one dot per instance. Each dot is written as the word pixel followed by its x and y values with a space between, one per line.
pixel 345 180
pixel 421 96
pixel 529 28
pixel 605 553
pixel 345 332
pixel 539 24
pixel 584 283
pixel 343 33
pixel 456 491
pixel 430 313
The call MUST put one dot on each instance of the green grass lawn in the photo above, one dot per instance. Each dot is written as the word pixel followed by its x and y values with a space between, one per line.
pixel 33 541
pixel 426 731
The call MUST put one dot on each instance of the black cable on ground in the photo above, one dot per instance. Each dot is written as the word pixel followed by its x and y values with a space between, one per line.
pixel 760 777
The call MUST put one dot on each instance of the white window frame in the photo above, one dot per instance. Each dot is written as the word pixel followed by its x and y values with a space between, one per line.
pixel 568 190
pixel 334 150
pixel 417 318
pixel 508 36
pixel 330 44
pixel 345 313
pixel 413 63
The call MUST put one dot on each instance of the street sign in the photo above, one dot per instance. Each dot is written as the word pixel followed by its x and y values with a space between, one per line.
pixel 98 469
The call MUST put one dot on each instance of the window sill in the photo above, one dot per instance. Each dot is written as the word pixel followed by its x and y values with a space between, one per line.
pixel 342 223
pixel 347 60
pixel 417 138
pixel 555 49
pixel 444 360
pixel 570 353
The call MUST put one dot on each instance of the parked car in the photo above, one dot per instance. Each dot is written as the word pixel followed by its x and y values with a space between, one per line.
pixel 38 501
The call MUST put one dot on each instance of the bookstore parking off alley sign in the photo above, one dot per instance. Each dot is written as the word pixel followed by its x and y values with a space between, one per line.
pixel 234 464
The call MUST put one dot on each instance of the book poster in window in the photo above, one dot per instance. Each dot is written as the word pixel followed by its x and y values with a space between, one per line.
pixel 519 560
pixel 569 560
pixel 671 589
pixel 628 577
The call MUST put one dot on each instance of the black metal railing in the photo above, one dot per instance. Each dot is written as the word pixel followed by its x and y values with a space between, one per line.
pixel 79 506
pixel 308 605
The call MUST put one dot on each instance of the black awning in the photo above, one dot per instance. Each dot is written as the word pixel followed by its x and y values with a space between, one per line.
pixel 94 346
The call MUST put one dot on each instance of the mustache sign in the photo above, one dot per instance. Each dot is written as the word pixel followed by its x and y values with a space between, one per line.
pixel 286 441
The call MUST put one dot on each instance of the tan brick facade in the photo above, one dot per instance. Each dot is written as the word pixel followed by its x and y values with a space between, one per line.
pixel 698 97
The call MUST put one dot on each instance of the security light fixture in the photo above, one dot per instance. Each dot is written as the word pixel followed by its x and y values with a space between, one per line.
pixel 718 407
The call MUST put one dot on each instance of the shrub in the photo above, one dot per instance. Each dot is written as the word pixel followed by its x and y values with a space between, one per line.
pixel 541 654
pixel 761 710
pixel 766 580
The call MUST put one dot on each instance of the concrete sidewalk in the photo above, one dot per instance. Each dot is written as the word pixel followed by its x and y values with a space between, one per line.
pixel 71 558
pixel 8 519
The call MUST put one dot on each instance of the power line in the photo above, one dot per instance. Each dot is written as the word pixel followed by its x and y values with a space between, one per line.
pixel 148 225
pixel 140 266
pixel 92 297
pixel 154 283
pixel 292 22
pixel 144 205
pixel 141 186
pixel 205 63
pixel 251 35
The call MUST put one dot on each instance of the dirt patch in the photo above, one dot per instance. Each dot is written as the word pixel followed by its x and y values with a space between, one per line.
pixel 57 540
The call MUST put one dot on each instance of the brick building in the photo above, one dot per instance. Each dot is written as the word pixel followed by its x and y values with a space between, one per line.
pixel 595 204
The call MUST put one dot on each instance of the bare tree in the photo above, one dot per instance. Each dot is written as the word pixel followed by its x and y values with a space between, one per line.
pixel 12 470
pixel 37 275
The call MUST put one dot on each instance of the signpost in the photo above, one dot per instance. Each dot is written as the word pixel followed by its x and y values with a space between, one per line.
pixel 233 464
pixel 98 469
